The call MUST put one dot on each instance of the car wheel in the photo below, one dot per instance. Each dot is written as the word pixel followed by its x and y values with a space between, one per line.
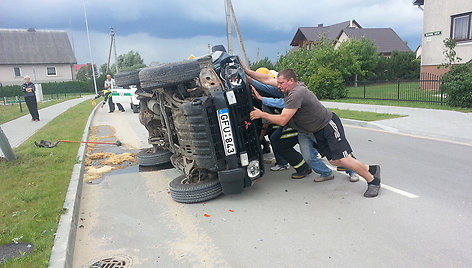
pixel 169 74
pixel 135 108
pixel 147 157
pixel 129 78
pixel 194 192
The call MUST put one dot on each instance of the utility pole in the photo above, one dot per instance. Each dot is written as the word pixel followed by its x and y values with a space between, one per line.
pixel 230 14
pixel 90 50
pixel 112 45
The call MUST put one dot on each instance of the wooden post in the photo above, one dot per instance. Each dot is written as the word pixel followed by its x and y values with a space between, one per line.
pixel 238 33
pixel 6 147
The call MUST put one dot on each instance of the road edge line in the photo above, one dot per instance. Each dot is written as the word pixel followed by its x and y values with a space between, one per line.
pixel 64 243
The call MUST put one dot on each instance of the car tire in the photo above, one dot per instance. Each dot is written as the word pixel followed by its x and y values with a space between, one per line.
pixel 135 108
pixel 147 157
pixel 195 192
pixel 128 78
pixel 169 74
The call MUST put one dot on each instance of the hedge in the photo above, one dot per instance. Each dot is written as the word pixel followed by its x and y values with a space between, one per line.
pixel 51 88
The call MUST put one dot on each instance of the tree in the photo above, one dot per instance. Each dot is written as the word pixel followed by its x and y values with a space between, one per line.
pixel 365 56
pixel 126 62
pixel 103 69
pixel 130 60
pixel 450 53
pixel 403 65
pixel 323 68
pixel 457 83
pixel 265 62
pixel 85 72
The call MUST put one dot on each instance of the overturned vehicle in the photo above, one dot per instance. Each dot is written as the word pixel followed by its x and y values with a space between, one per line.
pixel 197 116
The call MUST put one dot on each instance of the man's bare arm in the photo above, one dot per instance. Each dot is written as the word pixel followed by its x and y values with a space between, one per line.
pixel 278 119
pixel 263 78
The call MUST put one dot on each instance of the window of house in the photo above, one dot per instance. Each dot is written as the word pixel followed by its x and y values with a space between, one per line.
pixel 17 71
pixel 461 27
pixel 51 71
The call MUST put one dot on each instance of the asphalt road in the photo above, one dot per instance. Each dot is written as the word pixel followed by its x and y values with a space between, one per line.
pixel 423 219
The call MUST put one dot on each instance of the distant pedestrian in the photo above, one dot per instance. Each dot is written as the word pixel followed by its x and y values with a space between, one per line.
pixel 109 85
pixel 29 92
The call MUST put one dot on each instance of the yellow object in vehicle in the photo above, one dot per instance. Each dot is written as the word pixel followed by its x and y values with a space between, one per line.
pixel 263 70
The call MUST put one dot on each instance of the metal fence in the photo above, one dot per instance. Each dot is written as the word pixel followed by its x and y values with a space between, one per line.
pixel 427 89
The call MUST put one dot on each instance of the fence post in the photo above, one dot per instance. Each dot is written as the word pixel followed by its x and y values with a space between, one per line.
pixel 6 147
pixel 19 102
pixel 442 93
pixel 398 89
pixel 363 82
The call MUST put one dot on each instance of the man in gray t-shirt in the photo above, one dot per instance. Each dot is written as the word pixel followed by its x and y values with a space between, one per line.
pixel 316 126
pixel 313 117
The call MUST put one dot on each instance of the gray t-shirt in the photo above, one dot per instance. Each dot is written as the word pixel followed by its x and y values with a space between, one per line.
pixel 311 115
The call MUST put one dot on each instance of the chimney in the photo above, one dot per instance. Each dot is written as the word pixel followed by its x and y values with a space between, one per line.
pixel 350 24
pixel 320 25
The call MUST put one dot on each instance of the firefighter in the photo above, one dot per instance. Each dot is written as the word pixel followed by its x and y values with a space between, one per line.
pixel 107 96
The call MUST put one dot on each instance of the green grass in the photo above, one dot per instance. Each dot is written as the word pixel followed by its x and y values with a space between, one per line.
pixel 395 91
pixel 12 111
pixel 363 116
pixel 33 187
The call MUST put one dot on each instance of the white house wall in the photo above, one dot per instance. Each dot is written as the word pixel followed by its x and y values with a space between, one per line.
pixel 341 39
pixel 38 73
pixel 437 17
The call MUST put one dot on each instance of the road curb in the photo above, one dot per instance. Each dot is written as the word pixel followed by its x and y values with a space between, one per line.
pixel 367 124
pixel 64 242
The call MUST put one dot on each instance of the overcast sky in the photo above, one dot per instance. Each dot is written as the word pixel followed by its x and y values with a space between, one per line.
pixel 166 31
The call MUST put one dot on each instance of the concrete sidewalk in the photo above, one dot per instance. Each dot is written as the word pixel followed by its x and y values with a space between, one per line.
pixel 20 129
pixel 440 124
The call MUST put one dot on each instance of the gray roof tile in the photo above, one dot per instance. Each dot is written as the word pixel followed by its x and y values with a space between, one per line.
pixel 386 39
pixel 35 47
pixel 331 32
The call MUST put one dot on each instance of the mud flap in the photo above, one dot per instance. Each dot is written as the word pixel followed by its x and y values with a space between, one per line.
pixel 232 181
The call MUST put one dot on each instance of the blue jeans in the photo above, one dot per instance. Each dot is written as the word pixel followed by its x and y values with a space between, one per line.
pixel 309 153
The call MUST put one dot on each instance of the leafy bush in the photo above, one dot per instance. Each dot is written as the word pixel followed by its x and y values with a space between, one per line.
pixel 323 69
pixel 457 84
pixel 10 91
pixel 53 88
pixel 327 84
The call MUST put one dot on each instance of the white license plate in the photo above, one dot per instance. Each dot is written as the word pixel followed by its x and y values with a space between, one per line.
pixel 226 132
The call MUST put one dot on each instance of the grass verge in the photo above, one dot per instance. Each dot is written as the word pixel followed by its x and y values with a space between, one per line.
pixel 33 187
pixel 363 116
pixel 405 104
pixel 10 112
